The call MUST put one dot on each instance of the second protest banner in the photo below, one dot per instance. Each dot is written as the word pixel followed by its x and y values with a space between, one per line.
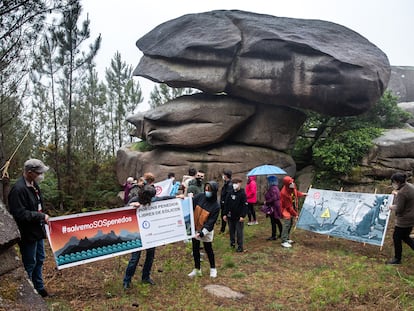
pixel 361 217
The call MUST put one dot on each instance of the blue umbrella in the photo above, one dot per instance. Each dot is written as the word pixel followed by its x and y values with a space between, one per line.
pixel 266 170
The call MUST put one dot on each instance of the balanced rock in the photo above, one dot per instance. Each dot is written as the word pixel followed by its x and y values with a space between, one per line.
pixel 200 120
pixel 309 64
pixel 192 121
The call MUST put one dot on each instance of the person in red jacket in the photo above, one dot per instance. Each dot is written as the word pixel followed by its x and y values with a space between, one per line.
pixel 251 194
pixel 289 204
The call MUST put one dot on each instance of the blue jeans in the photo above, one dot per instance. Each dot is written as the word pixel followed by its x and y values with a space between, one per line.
pixel 133 262
pixel 33 256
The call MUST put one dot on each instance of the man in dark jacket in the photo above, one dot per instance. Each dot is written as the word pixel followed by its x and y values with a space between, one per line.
pixel 404 215
pixel 26 206
pixel 235 210
pixel 226 189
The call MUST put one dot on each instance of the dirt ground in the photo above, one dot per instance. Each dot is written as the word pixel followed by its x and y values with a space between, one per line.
pixel 269 277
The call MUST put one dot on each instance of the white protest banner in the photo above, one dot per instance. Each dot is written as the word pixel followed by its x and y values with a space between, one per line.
pixel 86 237
pixel 361 217
pixel 163 188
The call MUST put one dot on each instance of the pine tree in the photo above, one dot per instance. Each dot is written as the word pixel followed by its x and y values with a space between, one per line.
pixel 124 96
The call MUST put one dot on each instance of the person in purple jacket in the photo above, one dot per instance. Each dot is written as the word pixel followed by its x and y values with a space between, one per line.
pixel 272 198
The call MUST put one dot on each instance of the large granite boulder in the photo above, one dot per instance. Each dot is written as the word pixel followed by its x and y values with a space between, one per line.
pixel 401 83
pixel 192 121
pixel 201 120
pixel 309 64
pixel 392 152
pixel 238 158
pixel 408 107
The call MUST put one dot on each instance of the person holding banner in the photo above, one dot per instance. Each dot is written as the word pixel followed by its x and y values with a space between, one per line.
pixel 146 195
pixel 289 203
pixel 404 215
pixel 206 211
pixel 26 206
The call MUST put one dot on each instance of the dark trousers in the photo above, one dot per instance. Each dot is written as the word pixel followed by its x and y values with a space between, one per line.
pixel 223 223
pixel 251 213
pixel 236 232
pixel 400 235
pixel 133 262
pixel 208 247
pixel 33 256
pixel 276 222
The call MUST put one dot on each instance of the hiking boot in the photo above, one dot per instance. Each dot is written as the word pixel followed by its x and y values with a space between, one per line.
pixel 286 244
pixel 42 292
pixel 213 272
pixel 195 272
pixel 393 261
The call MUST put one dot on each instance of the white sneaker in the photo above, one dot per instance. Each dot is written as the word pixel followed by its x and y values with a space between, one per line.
pixel 213 272
pixel 286 244
pixel 290 241
pixel 195 272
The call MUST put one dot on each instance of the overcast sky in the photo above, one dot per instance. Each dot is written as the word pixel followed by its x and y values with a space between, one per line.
pixel 388 24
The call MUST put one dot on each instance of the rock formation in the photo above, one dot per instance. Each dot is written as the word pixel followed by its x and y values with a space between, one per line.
pixel 256 73
pixel 309 64
pixel 401 83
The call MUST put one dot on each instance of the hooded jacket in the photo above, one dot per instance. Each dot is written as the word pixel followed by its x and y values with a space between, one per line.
pixel 289 199
pixel 272 198
pixel 251 190
pixel 206 210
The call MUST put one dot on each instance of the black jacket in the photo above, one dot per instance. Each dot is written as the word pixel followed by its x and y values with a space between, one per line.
pixel 227 188
pixel 235 205
pixel 23 205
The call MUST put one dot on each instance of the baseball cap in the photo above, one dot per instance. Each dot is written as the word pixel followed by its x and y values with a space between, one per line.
pixel 36 166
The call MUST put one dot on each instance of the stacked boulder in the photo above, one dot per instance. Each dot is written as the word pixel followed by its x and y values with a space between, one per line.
pixel 257 75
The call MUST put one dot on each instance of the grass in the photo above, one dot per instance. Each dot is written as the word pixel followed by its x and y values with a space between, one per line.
pixel 318 273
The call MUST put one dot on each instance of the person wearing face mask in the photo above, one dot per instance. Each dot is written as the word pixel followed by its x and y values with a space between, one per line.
pixel 26 206
pixel 235 210
pixel 403 206
pixel 196 185
pixel 206 211
pixel 289 205
pixel 225 190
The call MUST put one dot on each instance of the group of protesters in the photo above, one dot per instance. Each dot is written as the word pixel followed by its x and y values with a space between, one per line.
pixel 26 206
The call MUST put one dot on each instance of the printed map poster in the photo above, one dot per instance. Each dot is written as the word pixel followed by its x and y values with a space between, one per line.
pixel 361 217
pixel 86 237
